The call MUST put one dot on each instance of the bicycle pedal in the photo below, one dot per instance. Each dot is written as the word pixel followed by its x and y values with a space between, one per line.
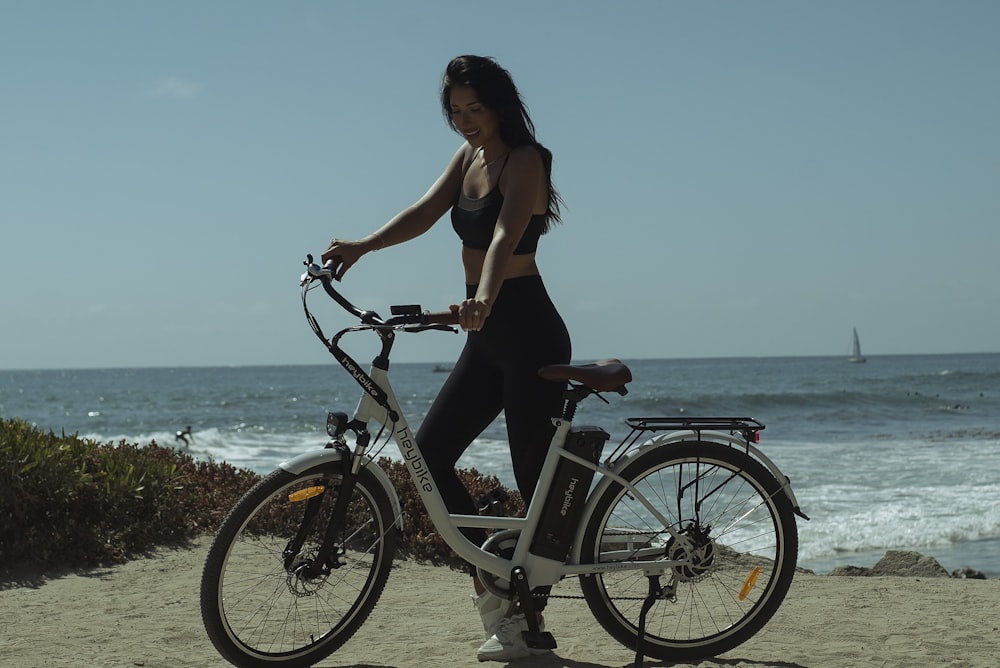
pixel 539 640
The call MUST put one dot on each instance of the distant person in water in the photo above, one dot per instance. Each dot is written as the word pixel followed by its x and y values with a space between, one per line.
pixel 184 435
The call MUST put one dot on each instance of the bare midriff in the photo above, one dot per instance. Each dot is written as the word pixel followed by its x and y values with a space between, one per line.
pixel 517 265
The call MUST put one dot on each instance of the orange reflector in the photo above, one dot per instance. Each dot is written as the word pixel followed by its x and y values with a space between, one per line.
pixel 749 582
pixel 307 493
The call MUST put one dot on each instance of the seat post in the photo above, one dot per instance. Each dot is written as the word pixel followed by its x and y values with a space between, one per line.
pixel 569 406
pixel 573 395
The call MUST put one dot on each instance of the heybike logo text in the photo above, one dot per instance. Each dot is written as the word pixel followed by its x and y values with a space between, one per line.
pixel 363 380
pixel 421 476
pixel 568 497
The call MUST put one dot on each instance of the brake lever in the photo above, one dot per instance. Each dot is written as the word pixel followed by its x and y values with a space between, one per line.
pixel 313 270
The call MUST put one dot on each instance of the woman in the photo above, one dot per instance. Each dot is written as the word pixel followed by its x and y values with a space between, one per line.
pixel 498 187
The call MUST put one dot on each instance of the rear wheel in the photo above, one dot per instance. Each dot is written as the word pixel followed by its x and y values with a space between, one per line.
pixel 736 550
pixel 264 606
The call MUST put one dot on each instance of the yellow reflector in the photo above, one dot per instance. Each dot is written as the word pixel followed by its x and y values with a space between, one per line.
pixel 749 582
pixel 307 493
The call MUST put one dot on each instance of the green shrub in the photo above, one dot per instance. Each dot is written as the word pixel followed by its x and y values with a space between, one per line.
pixel 72 502
pixel 69 501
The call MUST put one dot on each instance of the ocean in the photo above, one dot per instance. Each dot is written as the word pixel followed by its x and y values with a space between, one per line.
pixel 898 453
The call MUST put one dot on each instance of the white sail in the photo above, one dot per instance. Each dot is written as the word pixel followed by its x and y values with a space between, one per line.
pixel 856 355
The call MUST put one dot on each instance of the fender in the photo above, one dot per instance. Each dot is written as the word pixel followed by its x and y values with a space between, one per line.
pixel 307 460
pixel 721 437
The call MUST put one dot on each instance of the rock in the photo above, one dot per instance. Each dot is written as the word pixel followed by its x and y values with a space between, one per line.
pixel 855 571
pixel 909 564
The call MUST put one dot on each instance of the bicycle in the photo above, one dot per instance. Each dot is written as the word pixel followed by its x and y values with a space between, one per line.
pixel 685 545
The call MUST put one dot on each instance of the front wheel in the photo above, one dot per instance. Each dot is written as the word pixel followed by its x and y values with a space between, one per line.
pixel 265 599
pixel 735 550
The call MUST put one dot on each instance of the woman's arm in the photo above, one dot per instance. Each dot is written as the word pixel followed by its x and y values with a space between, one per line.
pixel 525 178
pixel 409 223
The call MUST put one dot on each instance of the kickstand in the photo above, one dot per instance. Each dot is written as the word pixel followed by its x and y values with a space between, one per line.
pixel 654 594
pixel 534 637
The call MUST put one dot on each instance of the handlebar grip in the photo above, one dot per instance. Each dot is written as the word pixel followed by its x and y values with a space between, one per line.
pixel 441 318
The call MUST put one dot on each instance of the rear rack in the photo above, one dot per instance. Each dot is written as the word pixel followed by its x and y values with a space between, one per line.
pixel 732 424
pixel 748 428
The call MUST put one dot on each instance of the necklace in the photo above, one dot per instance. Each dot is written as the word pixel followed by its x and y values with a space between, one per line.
pixel 482 152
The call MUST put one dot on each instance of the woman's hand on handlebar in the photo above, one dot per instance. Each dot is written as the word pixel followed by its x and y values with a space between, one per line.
pixel 341 255
pixel 472 313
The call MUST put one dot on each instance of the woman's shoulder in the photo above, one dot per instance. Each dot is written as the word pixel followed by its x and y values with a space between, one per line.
pixel 526 158
pixel 463 156
pixel 526 152
pixel 460 161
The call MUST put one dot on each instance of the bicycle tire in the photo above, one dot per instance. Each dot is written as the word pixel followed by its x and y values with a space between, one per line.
pixel 740 521
pixel 259 613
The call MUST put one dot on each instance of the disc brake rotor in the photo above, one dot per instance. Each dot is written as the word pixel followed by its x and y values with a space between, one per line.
pixel 697 552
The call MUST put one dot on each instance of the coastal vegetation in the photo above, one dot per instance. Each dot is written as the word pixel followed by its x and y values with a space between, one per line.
pixel 70 502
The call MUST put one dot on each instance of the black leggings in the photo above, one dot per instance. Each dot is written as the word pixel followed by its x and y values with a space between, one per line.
pixel 498 370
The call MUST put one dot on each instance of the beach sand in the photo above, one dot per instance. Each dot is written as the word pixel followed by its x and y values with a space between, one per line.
pixel 145 614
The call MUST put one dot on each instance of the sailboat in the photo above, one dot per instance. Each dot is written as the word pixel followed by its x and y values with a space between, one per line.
pixel 856 355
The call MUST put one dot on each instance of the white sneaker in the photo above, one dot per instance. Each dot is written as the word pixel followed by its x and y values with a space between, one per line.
pixel 492 610
pixel 507 643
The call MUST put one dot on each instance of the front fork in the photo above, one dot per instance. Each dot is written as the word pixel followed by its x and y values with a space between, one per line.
pixel 327 557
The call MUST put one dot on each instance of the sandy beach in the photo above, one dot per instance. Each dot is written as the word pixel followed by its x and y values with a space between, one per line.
pixel 145 614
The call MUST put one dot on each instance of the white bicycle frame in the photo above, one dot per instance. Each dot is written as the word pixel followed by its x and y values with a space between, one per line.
pixel 540 571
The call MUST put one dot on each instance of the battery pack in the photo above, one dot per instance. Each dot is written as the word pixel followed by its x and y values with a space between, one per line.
pixel 568 494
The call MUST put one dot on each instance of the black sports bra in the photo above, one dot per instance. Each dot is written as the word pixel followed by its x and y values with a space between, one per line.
pixel 475 219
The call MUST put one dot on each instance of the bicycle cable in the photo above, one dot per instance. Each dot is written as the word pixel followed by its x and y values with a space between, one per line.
pixel 378 448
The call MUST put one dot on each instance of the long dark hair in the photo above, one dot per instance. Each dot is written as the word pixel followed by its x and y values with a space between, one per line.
pixel 495 89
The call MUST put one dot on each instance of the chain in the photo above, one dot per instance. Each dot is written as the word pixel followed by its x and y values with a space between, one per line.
pixel 580 596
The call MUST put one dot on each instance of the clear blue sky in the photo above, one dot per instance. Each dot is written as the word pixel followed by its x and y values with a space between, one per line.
pixel 740 178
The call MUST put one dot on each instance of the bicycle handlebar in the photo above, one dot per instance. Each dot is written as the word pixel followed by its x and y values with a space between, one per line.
pixel 411 317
